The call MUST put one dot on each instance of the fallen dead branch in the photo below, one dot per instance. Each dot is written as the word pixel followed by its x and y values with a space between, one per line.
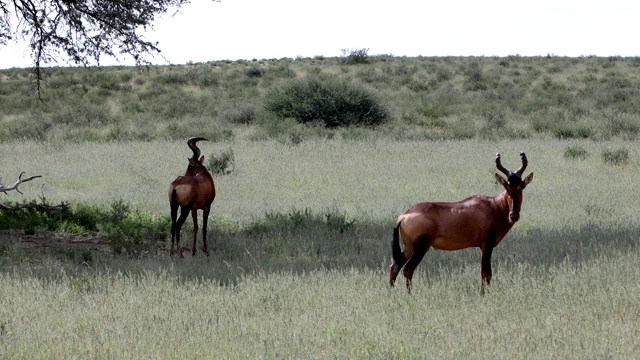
pixel 31 205
pixel 4 189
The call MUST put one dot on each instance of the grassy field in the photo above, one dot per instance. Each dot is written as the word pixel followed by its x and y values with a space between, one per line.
pixel 300 263
pixel 299 232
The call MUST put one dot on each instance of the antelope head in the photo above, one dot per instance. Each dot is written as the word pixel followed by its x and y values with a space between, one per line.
pixel 514 185
pixel 196 161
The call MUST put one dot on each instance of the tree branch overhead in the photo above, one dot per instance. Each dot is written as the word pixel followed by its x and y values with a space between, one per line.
pixel 82 30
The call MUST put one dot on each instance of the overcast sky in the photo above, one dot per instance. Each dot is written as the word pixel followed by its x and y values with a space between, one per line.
pixel 265 29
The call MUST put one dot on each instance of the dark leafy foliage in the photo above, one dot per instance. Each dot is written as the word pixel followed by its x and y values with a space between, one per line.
pixel 126 230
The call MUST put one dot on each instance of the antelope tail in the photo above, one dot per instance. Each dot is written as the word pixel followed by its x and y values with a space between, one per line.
pixel 396 252
pixel 174 203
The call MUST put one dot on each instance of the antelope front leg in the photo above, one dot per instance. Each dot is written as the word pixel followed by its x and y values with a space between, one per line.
pixel 485 271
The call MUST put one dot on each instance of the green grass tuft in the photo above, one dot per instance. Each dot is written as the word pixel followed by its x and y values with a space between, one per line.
pixel 615 157
pixel 576 152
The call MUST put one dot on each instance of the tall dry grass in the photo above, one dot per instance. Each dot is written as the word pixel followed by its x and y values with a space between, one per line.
pixel 573 310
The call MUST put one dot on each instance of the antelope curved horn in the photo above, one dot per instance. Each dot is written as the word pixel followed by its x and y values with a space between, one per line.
pixel 500 167
pixel 524 164
pixel 192 145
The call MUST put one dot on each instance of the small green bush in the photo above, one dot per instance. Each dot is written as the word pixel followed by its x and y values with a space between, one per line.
pixel 475 78
pixel 617 124
pixel 30 125
pixel 285 131
pixel 204 77
pixel 331 101
pixel 132 232
pixel 280 71
pixel 576 152
pixel 173 78
pixel 41 216
pixel 280 223
pixel 127 231
pixel 356 56
pixel 242 112
pixel 82 114
pixel 126 77
pixel 571 131
pixel 615 157
pixel 222 164
pixel 255 71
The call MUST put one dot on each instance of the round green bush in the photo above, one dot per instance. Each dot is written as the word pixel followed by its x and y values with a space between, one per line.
pixel 331 101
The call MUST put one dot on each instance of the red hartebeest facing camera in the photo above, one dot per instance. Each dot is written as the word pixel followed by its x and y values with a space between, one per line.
pixel 191 192
pixel 478 221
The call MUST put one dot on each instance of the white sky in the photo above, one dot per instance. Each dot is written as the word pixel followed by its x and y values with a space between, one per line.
pixel 248 29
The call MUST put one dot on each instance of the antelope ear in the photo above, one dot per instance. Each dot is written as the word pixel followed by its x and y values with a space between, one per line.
pixel 201 159
pixel 528 179
pixel 501 180
pixel 193 163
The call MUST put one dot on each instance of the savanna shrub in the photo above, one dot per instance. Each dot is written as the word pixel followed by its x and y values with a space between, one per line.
pixel 572 131
pixel 280 71
pixel 30 125
pixel 130 231
pixel 301 220
pixel 34 216
pixel 173 78
pixel 331 101
pixel 254 71
pixel 222 163
pixel 576 152
pixel 616 124
pixel 615 157
pixel 241 112
pixel 356 56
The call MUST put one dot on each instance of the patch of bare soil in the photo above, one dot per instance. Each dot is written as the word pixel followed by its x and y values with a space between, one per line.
pixel 90 242
pixel 81 242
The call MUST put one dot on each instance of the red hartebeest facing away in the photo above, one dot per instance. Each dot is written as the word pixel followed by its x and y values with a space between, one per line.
pixel 478 221
pixel 191 192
